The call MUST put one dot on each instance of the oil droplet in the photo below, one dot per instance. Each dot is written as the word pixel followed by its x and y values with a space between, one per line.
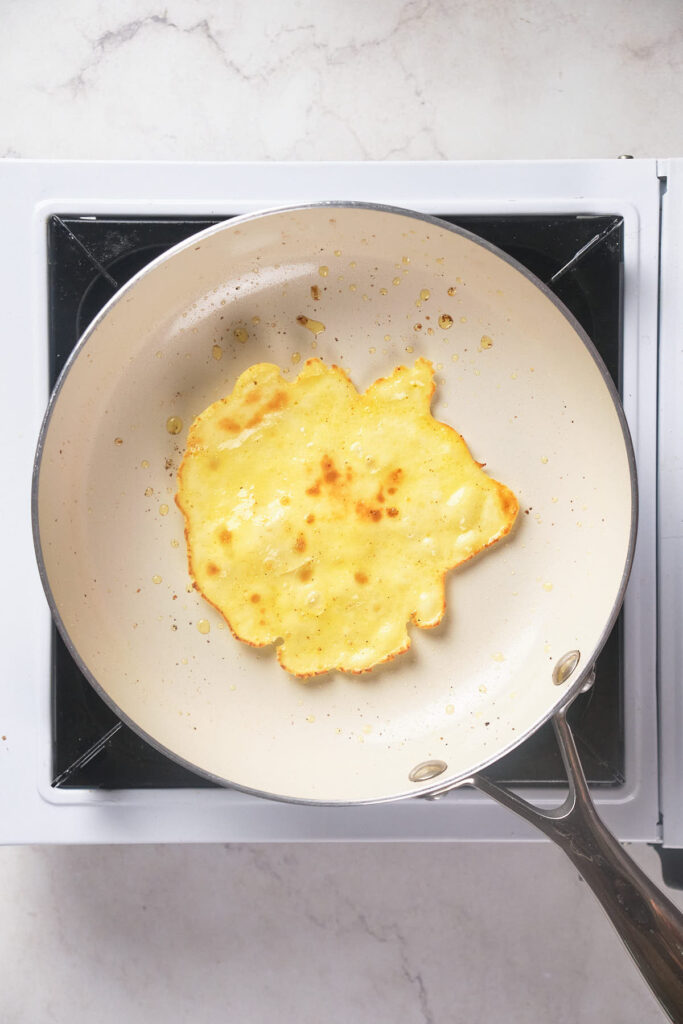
pixel 183 661
pixel 554 500
pixel 156 579
pixel 149 491
pixel 455 357
pixel 463 319
pixel 353 264
pixel 203 626
pixel 256 320
pixel 353 287
pixel 175 543
pixel 312 325
pixel 310 718
pixel 498 656
pixel 405 259
pixel 217 352
pixel 145 464
pixel 296 357
pixel 372 351
pixel 513 376
pixel 387 337
pixel 338 731
pixel 451 291
pixel 417 327
pixel 163 510
pixel 430 330
pixel 548 587
pixel 396 280
pixel 445 321
pixel 174 424
pixel 485 342
pixel 424 294
pixel 383 291
pixel 482 689
pixel 118 440
pixel 323 271
pixel 241 335
pixel 544 459
pixel 337 252
pixel 367 729
pixel 409 348
pixel 450 708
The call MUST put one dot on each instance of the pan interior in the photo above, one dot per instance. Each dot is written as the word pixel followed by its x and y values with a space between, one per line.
pixel 529 399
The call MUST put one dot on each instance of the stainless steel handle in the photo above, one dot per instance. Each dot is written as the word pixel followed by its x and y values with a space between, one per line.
pixel 649 924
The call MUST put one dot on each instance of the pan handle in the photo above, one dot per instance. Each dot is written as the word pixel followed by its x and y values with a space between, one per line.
pixel 649 924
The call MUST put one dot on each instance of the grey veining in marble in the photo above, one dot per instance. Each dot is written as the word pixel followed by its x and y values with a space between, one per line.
pixel 304 934
pixel 297 79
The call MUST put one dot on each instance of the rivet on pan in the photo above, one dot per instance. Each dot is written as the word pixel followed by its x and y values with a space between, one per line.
pixel 427 770
pixel 590 680
pixel 565 667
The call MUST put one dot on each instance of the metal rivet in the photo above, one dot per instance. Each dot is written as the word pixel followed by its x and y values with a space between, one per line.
pixel 590 680
pixel 565 667
pixel 427 770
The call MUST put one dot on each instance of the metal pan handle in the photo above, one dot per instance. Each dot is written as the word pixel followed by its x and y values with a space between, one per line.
pixel 649 924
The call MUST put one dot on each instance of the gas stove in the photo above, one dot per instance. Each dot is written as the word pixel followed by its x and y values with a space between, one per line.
pixel 598 233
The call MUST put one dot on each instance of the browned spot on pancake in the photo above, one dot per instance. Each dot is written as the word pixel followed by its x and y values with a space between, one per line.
pixel 380 496
pixel 300 543
pixel 364 511
pixel 277 402
pixel 214 462
pixel 330 473
pixel 396 475
pixel 229 425
pixel 253 396
pixel 310 518
pixel 224 535
pixel 255 598
pixel 360 577
pixel 315 292
pixel 393 512
pixel 305 573
pixel 212 569
pixel 284 500
pixel 314 489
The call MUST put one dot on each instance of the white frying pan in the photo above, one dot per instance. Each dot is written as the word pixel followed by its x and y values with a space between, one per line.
pixel 524 622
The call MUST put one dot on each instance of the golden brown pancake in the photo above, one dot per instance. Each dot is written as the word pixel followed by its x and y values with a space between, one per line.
pixel 325 520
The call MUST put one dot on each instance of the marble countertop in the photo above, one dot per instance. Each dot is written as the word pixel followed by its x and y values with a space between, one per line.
pixel 310 933
pixel 304 80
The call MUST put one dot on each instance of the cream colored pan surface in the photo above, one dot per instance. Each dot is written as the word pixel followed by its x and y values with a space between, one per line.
pixel 532 403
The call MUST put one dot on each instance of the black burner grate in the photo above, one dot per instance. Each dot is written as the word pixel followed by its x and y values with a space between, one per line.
pixel 90 258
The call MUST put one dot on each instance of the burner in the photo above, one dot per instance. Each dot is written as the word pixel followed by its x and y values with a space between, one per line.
pixel 90 258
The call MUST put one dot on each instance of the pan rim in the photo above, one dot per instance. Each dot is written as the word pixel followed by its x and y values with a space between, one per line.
pixel 565 696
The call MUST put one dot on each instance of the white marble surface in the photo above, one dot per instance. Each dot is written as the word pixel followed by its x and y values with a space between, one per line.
pixel 324 933
pixel 305 79
pixel 309 934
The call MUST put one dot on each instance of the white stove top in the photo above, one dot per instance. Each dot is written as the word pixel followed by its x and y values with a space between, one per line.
pixel 30 809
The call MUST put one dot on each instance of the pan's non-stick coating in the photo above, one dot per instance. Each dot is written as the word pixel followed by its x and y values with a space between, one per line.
pixel 533 405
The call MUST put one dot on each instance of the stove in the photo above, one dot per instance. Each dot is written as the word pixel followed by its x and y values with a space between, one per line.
pixel 598 233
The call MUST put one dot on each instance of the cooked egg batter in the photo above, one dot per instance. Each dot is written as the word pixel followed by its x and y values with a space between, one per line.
pixel 324 520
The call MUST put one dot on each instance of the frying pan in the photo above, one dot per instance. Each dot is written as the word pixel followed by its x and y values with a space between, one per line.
pixel 524 622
